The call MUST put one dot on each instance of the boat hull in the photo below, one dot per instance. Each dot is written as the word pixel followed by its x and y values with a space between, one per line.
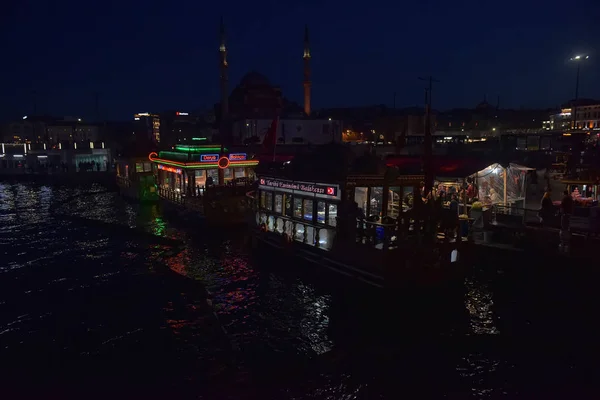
pixel 376 268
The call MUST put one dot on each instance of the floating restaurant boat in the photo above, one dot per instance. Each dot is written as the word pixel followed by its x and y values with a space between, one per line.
pixel 358 218
pixel 135 179
pixel 205 181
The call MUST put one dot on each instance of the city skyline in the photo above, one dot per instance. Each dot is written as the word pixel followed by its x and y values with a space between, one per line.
pixel 149 61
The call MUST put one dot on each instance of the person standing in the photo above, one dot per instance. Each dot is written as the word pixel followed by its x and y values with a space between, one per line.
pixel 566 205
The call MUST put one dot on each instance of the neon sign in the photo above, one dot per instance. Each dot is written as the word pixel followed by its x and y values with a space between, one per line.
pixel 301 187
pixel 223 162
pixel 238 157
pixel 182 113
pixel 169 169
pixel 209 157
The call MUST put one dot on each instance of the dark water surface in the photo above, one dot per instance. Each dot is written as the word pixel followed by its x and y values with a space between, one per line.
pixel 101 298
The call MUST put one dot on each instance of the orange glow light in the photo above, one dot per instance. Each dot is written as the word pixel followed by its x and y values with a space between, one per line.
pixel 223 162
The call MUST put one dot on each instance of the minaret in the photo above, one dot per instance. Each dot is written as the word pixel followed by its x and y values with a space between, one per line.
pixel 223 72
pixel 307 83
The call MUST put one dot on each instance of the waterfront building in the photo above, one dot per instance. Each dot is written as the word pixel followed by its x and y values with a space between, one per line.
pixel 588 116
pixel 53 158
pixel 47 129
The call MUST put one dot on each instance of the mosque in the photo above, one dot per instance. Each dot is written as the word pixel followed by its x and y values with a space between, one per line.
pixel 249 109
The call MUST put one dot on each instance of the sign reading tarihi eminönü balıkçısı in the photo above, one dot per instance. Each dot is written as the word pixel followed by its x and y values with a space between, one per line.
pixel 300 186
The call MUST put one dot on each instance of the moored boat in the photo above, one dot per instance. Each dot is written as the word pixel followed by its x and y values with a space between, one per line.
pixel 205 181
pixel 356 217
pixel 135 179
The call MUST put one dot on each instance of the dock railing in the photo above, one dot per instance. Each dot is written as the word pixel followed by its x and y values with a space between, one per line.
pixel 171 195
pixel 515 215
pixel 123 181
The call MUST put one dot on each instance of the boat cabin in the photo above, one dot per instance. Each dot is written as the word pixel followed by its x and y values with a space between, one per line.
pixel 135 178
pixel 188 170
pixel 310 210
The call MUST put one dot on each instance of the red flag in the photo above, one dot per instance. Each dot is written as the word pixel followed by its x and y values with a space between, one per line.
pixel 271 136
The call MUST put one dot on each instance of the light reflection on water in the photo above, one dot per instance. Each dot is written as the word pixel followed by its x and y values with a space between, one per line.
pixel 94 245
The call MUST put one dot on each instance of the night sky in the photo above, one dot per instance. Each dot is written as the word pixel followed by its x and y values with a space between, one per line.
pixel 160 55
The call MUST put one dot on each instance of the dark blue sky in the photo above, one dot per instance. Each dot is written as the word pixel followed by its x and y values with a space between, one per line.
pixel 156 55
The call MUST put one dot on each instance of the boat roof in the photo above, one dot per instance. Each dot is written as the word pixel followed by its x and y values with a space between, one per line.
pixel 330 163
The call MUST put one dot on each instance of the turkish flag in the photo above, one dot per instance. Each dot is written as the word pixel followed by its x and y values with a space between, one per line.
pixel 330 191
pixel 270 139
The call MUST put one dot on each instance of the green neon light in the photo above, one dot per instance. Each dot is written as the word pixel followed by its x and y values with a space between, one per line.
pixel 198 138
pixel 199 149
pixel 173 155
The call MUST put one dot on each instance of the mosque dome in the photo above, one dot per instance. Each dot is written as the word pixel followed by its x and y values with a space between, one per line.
pixel 254 79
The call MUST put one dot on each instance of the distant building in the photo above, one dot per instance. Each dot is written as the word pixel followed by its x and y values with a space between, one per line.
pixel 71 131
pixel 177 127
pixel 559 121
pixel 289 130
pixel 588 116
pixel 40 157
pixel 45 129
pixel 148 125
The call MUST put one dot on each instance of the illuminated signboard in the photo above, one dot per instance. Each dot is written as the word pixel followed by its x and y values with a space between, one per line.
pixel 238 157
pixel 169 169
pixel 209 157
pixel 223 162
pixel 300 186
pixel 182 113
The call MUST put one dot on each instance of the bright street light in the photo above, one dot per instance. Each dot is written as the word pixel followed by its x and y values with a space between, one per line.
pixel 577 58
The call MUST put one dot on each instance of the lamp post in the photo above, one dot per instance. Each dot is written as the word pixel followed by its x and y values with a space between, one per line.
pixel 578 60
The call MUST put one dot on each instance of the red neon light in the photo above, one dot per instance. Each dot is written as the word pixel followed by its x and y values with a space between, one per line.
pixel 223 162
pixel 150 155
pixel 169 169
pixel 204 164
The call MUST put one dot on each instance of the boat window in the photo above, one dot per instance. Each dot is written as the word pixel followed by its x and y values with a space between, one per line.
pixel 407 198
pixel 321 207
pixel 376 201
pixel 268 200
pixel 360 196
pixel 297 207
pixel 394 201
pixel 308 210
pixel 214 174
pixel 278 203
pixel 200 180
pixel 332 215
pixel 239 172
pixel 262 199
pixel 287 201
pixel 228 174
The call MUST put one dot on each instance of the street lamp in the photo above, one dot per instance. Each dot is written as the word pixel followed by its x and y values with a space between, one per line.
pixel 578 60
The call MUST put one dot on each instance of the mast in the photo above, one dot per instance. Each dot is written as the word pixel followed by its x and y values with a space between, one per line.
pixel 428 143
pixel 223 67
